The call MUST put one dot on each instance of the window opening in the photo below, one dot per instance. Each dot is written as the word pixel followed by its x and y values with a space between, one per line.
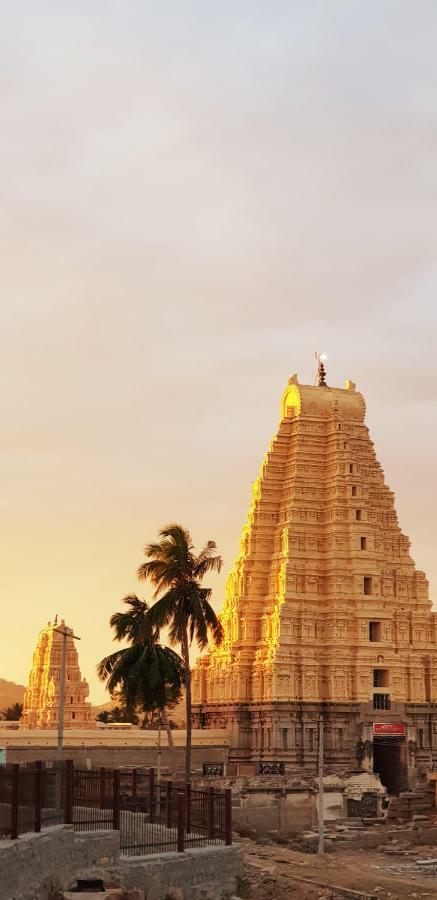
pixel 367 584
pixel 381 701
pixel 380 678
pixel 375 631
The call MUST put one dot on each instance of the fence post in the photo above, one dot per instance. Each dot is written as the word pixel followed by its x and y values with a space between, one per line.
pixel 102 784
pixel 211 812
pixel 169 802
pixel 69 787
pixel 151 793
pixel 188 812
pixel 116 800
pixel 43 787
pixel 181 821
pixel 14 801
pixel 228 816
pixel 134 785
pixel 37 795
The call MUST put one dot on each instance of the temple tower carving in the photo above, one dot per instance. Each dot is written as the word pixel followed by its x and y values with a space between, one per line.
pixel 324 609
pixel 41 700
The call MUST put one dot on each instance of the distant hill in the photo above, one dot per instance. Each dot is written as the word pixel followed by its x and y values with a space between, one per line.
pixel 102 708
pixel 14 693
pixel 10 693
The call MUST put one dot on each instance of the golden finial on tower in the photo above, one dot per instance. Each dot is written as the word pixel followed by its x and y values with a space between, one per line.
pixel 321 371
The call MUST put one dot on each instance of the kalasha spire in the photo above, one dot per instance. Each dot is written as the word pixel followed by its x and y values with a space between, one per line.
pixel 321 371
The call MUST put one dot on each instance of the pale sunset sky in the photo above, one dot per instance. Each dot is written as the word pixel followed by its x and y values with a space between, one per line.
pixel 195 197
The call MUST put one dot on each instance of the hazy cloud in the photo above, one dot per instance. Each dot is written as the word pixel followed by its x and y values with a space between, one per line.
pixel 193 199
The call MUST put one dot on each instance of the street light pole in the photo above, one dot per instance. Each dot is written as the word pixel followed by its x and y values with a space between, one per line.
pixel 59 747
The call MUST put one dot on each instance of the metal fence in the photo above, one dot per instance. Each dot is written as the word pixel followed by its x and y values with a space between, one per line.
pixel 151 817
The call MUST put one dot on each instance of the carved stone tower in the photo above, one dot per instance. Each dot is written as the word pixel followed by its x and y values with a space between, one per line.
pixel 325 612
pixel 41 700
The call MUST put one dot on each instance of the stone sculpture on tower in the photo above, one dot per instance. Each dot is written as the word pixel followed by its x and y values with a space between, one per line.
pixel 41 700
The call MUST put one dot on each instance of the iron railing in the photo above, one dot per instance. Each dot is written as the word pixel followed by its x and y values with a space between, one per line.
pixel 151 817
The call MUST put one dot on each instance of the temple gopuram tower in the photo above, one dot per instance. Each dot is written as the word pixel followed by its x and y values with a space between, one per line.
pixel 325 612
pixel 41 700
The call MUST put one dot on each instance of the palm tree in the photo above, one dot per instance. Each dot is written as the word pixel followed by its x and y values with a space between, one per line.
pixel 183 606
pixel 12 713
pixel 117 714
pixel 142 674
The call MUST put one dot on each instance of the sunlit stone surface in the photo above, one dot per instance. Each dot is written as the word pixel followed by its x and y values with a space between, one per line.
pixel 41 700
pixel 324 603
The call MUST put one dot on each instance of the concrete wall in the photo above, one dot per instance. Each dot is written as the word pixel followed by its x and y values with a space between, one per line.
pixel 333 805
pixel 113 757
pixel 193 875
pixel 36 862
pixel 285 812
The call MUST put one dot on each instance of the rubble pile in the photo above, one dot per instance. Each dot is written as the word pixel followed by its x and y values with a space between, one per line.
pixel 409 804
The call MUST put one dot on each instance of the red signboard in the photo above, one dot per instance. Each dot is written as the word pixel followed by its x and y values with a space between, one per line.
pixel 394 728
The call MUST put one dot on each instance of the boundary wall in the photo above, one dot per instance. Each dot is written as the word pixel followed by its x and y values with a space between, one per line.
pixel 37 865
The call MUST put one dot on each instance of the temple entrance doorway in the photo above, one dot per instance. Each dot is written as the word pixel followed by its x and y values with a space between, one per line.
pixel 389 762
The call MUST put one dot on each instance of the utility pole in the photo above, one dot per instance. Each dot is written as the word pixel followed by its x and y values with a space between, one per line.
pixel 321 817
pixel 158 771
pixel 59 747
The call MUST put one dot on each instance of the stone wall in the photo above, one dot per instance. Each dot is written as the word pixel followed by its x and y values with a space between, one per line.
pixel 36 862
pixel 285 804
pixel 193 875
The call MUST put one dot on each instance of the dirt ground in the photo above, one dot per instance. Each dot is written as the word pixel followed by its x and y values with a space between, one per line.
pixel 268 869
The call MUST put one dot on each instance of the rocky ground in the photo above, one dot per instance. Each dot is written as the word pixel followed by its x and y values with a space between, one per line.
pixel 394 873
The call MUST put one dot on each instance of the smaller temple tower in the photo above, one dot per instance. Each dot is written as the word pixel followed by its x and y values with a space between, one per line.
pixel 41 700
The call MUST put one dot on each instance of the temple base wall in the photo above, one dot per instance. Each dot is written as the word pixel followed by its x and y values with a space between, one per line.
pixel 289 733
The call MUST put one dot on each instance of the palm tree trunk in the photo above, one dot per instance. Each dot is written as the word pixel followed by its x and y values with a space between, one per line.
pixel 186 658
pixel 166 725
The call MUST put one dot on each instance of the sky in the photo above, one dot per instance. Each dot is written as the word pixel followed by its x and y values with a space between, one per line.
pixel 194 198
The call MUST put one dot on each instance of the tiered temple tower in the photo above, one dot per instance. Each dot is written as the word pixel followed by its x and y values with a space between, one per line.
pixel 325 612
pixel 41 700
